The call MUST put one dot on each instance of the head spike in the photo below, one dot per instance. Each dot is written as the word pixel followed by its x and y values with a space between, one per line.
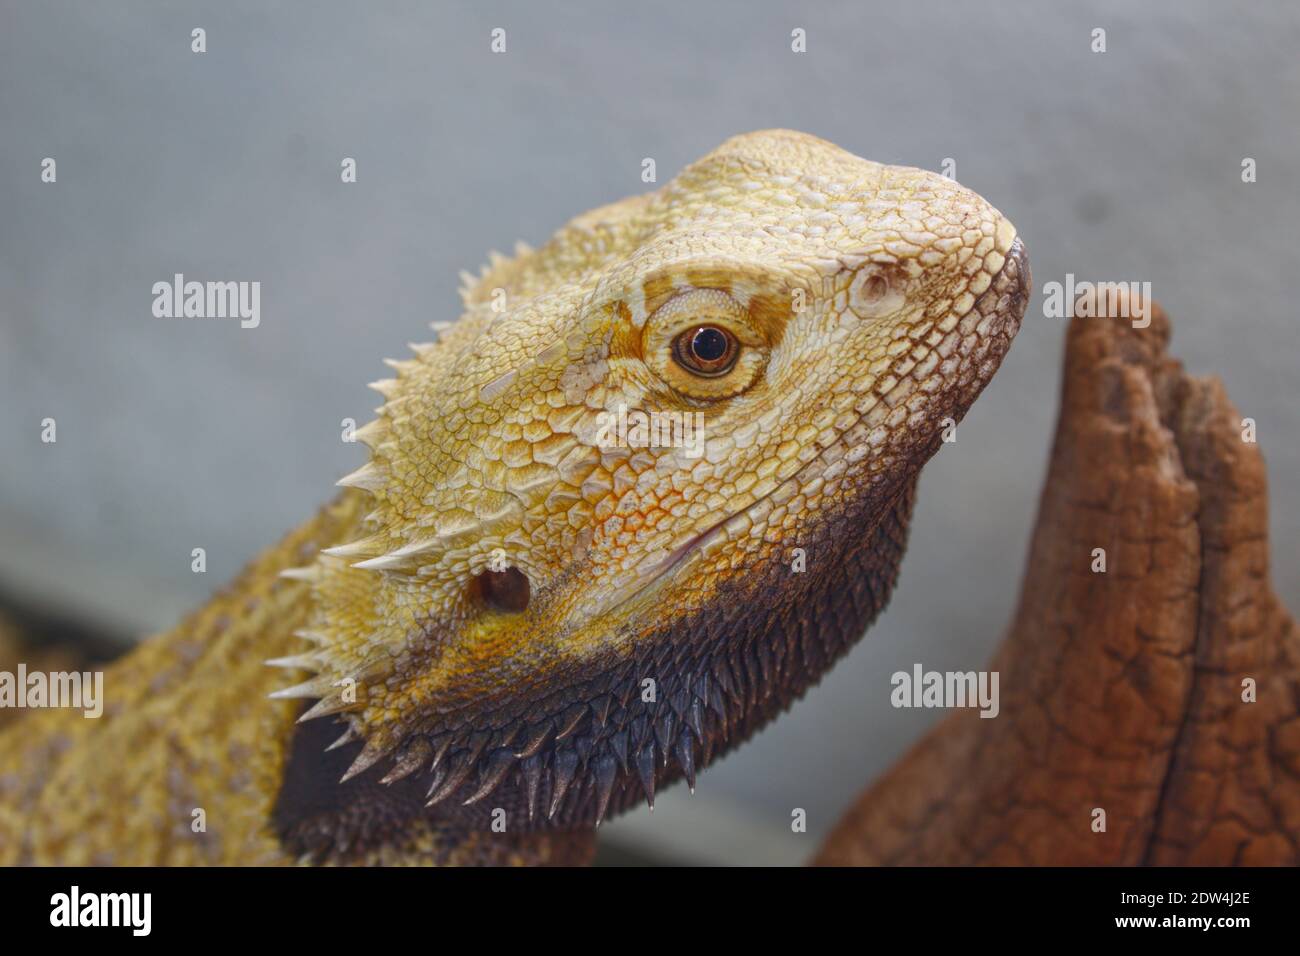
pixel 363 548
pixel 385 562
pixel 401 366
pixel 326 706
pixel 316 687
pixel 420 546
pixel 311 573
pixel 371 433
pixel 307 662
pixel 467 283
pixel 369 477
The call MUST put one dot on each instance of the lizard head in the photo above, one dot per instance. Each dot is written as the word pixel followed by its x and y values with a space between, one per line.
pixel 654 480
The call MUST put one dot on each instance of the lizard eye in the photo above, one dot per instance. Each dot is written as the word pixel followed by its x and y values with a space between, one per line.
pixel 707 350
pixel 704 345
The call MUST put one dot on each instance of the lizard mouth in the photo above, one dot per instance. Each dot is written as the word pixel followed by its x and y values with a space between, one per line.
pixel 1001 305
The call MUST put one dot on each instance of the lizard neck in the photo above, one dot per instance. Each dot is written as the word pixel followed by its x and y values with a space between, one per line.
pixel 719 677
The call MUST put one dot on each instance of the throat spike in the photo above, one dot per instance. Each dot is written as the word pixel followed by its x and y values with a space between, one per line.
pixel 606 771
pixel 645 768
pixel 531 770
pixel 498 765
pixel 686 757
pixel 349 735
pixel 365 760
pixel 566 765
pixel 412 758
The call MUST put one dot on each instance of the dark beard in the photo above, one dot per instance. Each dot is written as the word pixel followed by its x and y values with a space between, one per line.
pixel 595 747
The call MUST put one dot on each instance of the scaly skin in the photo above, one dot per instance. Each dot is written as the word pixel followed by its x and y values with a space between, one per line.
pixel 658 611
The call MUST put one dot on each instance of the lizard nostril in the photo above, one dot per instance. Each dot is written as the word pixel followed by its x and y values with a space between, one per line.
pixel 873 293
pixel 874 289
pixel 506 590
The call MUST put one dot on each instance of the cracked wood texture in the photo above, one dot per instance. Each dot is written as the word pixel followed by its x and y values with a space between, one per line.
pixel 1121 690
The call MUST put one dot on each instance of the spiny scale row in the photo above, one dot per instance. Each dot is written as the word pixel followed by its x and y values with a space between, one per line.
pixel 614 734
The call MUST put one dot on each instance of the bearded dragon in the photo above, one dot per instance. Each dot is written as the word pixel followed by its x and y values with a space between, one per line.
pixel 515 620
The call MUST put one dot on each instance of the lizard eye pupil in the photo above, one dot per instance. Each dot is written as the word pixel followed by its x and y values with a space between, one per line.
pixel 709 345
pixel 706 350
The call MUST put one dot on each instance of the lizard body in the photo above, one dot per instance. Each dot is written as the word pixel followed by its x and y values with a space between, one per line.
pixel 521 613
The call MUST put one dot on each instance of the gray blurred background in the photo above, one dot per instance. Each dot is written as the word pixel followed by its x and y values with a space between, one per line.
pixel 174 435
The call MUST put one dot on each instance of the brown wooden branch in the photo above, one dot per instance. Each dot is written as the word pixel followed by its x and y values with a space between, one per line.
pixel 1123 690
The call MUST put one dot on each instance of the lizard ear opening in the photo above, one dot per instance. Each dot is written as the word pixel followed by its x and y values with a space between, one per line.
pixel 506 590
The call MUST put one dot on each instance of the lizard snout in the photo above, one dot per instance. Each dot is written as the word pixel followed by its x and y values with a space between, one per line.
pixel 1016 283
